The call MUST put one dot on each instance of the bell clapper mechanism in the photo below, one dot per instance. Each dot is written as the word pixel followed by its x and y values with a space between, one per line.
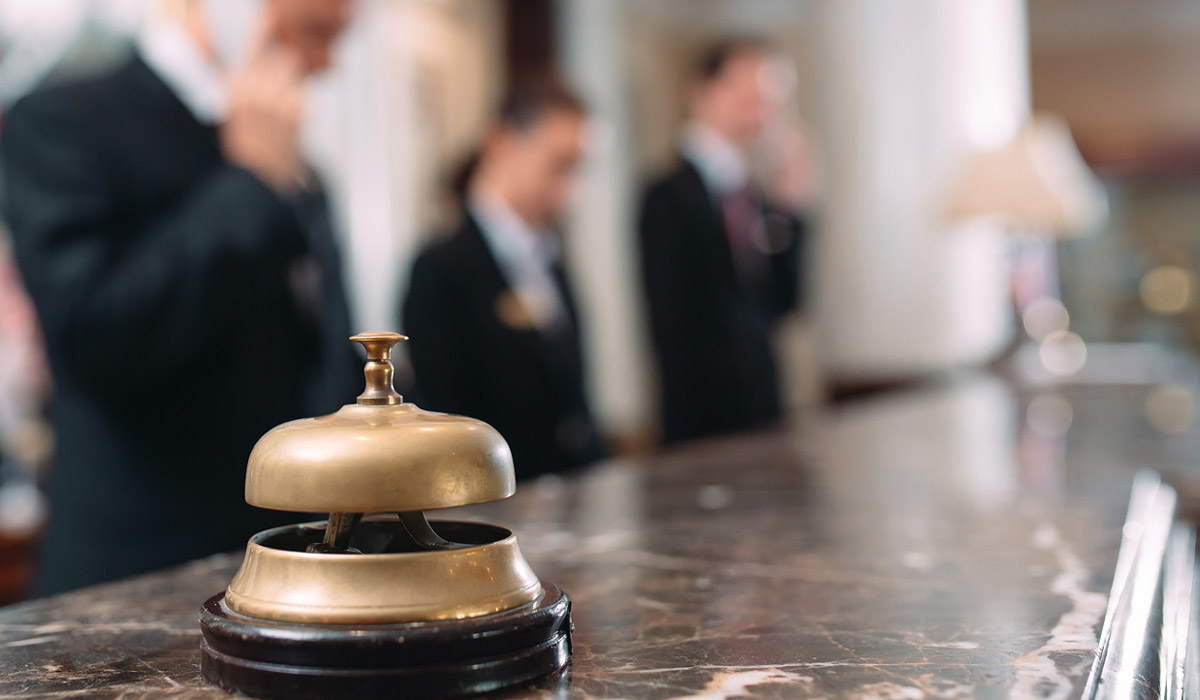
pixel 380 391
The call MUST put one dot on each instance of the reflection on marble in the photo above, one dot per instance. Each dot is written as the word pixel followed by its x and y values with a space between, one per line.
pixel 893 549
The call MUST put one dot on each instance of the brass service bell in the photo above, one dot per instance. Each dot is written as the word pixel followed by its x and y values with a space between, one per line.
pixel 377 600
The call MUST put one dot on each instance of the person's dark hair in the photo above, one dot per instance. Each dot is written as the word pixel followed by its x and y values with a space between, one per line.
pixel 523 106
pixel 530 100
pixel 714 59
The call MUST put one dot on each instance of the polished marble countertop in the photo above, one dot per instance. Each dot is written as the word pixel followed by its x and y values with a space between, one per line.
pixel 952 541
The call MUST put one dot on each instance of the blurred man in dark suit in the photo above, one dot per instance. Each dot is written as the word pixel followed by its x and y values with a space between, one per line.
pixel 184 271
pixel 720 257
pixel 495 332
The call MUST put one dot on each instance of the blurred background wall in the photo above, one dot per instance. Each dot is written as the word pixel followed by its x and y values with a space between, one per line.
pixel 893 95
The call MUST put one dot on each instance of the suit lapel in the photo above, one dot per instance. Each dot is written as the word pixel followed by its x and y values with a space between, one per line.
pixel 715 236
pixel 712 231
pixel 504 305
pixel 486 273
pixel 565 347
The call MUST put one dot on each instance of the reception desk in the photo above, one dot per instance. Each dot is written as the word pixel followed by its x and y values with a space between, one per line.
pixel 951 541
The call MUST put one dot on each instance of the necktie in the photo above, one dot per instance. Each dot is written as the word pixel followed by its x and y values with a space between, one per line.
pixel 742 218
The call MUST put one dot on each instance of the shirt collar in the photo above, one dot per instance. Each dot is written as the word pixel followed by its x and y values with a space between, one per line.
pixel 510 237
pixel 181 64
pixel 721 164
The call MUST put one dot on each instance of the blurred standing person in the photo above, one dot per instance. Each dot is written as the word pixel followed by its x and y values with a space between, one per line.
pixel 720 257
pixel 181 261
pixel 495 331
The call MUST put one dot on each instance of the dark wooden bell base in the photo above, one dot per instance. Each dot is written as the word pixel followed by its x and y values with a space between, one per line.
pixel 444 659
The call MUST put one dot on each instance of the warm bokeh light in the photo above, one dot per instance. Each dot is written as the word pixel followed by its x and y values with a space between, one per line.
pixel 1044 316
pixel 1167 289
pixel 1170 409
pixel 1063 353
pixel 1050 415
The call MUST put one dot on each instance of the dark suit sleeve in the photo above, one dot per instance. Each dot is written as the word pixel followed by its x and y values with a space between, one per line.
pixel 436 352
pixel 789 233
pixel 125 303
pixel 666 276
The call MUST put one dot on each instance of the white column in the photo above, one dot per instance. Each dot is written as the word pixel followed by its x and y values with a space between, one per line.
pixel 410 87
pixel 599 235
pixel 904 88
pixel 358 127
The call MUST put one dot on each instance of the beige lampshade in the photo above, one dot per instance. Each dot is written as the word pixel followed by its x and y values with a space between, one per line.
pixel 1037 182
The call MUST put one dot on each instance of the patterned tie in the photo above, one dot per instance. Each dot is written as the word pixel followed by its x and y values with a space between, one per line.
pixel 742 219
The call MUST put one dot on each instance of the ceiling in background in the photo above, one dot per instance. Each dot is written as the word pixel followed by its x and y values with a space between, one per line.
pixel 1123 75
pixel 1059 24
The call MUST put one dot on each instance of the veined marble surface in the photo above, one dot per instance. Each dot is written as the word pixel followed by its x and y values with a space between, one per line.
pixel 947 542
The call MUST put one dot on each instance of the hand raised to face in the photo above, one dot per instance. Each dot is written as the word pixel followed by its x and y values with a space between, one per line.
pixel 262 131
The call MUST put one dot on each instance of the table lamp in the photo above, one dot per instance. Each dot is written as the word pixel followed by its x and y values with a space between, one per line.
pixel 1036 183
pixel 1040 188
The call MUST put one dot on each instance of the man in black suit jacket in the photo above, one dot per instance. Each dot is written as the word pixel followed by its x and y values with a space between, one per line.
pixel 494 328
pixel 186 283
pixel 719 260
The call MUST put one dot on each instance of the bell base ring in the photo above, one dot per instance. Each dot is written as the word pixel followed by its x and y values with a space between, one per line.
pixel 442 659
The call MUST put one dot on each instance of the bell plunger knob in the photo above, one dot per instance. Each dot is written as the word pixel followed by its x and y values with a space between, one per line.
pixel 379 370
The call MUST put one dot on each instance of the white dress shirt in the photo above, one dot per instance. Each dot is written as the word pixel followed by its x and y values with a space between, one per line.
pixel 721 164
pixel 526 256
pixel 176 59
